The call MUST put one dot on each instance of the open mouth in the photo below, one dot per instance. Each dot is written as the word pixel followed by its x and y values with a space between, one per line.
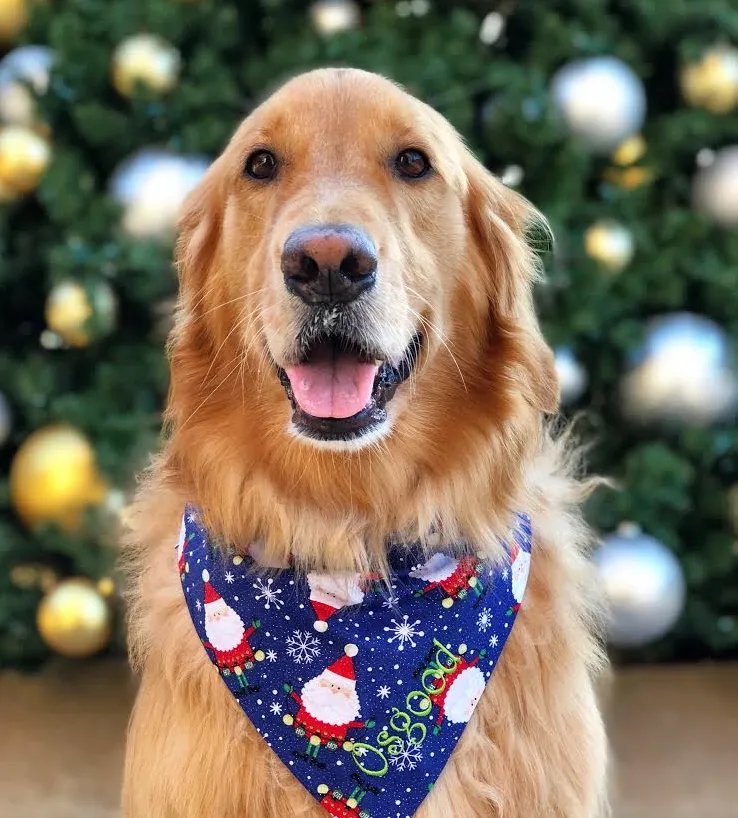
pixel 340 391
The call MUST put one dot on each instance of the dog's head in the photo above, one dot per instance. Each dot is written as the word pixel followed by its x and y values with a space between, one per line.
pixel 351 275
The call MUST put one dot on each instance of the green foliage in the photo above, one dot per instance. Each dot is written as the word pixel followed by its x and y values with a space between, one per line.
pixel 234 54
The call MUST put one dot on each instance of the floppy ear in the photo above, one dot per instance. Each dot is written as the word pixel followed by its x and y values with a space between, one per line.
pixel 501 222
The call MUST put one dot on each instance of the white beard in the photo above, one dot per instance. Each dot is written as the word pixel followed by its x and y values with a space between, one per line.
pixel 329 705
pixel 182 538
pixel 438 568
pixel 224 632
pixel 463 695
pixel 520 570
pixel 336 590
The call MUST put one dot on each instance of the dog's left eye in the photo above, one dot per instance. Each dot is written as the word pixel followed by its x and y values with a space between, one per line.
pixel 261 165
pixel 412 163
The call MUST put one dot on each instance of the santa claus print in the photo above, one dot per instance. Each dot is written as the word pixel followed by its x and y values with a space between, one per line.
pixel 340 805
pixel 331 592
pixel 329 708
pixel 182 542
pixel 458 692
pixel 454 577
pixel 519 570
pixel 227 636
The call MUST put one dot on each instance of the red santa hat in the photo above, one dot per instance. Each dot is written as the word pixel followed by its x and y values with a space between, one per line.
pixel 341 672
pixel 210 595
pixel 323 612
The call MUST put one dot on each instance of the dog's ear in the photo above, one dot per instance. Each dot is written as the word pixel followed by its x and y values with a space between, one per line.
pixel 502 225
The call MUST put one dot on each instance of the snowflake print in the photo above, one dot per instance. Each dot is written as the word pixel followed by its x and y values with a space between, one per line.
pixel 198 604
pixel 484 620
pixel 408 758
pixel 391 602
pixel 505 573
pixel 276 709
pixel 404 632
pixel 360 751
pixel 303 647
pixel 229 577
pixel 494 640
pixel 383 692
pixel 191 518
pixel 269 594
pixel 271 656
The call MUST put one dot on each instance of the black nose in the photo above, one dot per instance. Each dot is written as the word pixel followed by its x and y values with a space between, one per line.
pixel 329 263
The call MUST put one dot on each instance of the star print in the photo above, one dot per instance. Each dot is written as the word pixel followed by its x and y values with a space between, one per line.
pixel 276 709
pixel 271 656
pixel 494 639
pixel 383 692
pixel 229 577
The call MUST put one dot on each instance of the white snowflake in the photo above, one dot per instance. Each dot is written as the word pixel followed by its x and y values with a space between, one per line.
pixel 229 577
pixel 391 602
pixel 505 573
pixel 404 632
pixel 360 751
pixel 383 692
pixel 271 656
pixel 198 604
pixel 191 518
pixel 484 620
pixel 408 758
pixel 303 647
pixel 266 592
pixel 276 709
pixel 494 640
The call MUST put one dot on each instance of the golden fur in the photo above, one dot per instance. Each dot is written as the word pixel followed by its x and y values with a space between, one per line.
pixel 468 446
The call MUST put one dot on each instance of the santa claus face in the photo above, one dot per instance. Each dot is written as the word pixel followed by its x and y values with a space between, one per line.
pixel 520 570
pixel 331 699
pixel 438 568
pixel 336 590
pixel 223 626
pixel 463 695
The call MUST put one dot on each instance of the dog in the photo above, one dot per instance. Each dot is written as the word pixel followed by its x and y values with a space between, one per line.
pixel 355 354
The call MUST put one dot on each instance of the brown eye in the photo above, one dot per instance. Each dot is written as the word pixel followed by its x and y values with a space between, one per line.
pixel 412 163
pixel 261 165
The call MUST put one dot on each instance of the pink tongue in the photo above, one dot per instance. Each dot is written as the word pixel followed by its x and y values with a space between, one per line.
pixel 332 386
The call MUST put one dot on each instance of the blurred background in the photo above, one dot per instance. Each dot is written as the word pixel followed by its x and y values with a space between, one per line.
pixel 617 118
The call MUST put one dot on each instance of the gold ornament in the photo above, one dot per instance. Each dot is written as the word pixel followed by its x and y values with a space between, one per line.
pixel 334 16
pixel 74 619
pixel 78 318
pixel 13 18
pixel 147 60
pixel 630 151
pixel 106 587
pixel 712 82
pixel 609 243
pixel 54 477
pixel 629 178
pixel 24 156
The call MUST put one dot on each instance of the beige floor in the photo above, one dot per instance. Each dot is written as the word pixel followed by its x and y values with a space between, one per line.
pixel 674 732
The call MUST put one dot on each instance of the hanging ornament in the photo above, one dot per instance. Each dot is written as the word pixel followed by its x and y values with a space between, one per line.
pixel 13 19
pixel 54 477
pixel 79 315
pixel 712 82
pixel 601 100
pixel 74 619
pixel 331 17
pixel 571 374
pixel 24 73
pixel 492 27
pixel 512 175
pixel 715 187
pixel 106 587
pixel 625 173
pixel 644 586
pixel 145 60
pixel 24 156
pixel 610 244
pixel 151 186
pixel 683 373
pixel 6 419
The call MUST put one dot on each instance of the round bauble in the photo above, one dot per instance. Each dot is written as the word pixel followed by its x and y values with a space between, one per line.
pixel 715 187
pixel 13 18
pixel 74 619
pixel 145 60
pixel 601 100
pixel 683 374
pixel 24 156
pixel 712 81
pixel 79 315
pixel 334 16
pixel 24 71
pixel 644 586
pixel 571 374
pixel 610 244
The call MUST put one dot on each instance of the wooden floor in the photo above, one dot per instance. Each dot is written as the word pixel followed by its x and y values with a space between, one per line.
pixel 674 732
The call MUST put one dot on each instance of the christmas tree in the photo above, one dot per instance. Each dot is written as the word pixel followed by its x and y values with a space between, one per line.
pixel 615 117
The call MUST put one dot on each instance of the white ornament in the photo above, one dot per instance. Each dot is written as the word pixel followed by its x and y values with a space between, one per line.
pixel 644 585
pixel 334 16
pixel 602 101
pixel 715 190
pixel 571 374
pixel 23 72
pixel 684 374
pixel 492 27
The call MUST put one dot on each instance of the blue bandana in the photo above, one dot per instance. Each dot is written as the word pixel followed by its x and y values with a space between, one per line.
pixel 362 689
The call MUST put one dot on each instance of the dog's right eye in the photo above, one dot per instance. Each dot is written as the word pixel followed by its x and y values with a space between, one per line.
pixel 261 165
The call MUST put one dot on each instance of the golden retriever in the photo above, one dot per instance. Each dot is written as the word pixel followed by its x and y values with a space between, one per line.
pixel 441 382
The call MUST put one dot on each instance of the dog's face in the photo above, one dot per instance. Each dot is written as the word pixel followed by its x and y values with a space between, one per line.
pixel 351 274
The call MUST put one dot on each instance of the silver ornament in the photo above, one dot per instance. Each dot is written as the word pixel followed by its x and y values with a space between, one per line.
pixel 151 186
pixel 715 187
pixel 644 586
pixel 333 16
pixel 601 100
pixel 6 419
pixel 571 374
pixel 23 72
pixel 684 374
pixel 492 27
